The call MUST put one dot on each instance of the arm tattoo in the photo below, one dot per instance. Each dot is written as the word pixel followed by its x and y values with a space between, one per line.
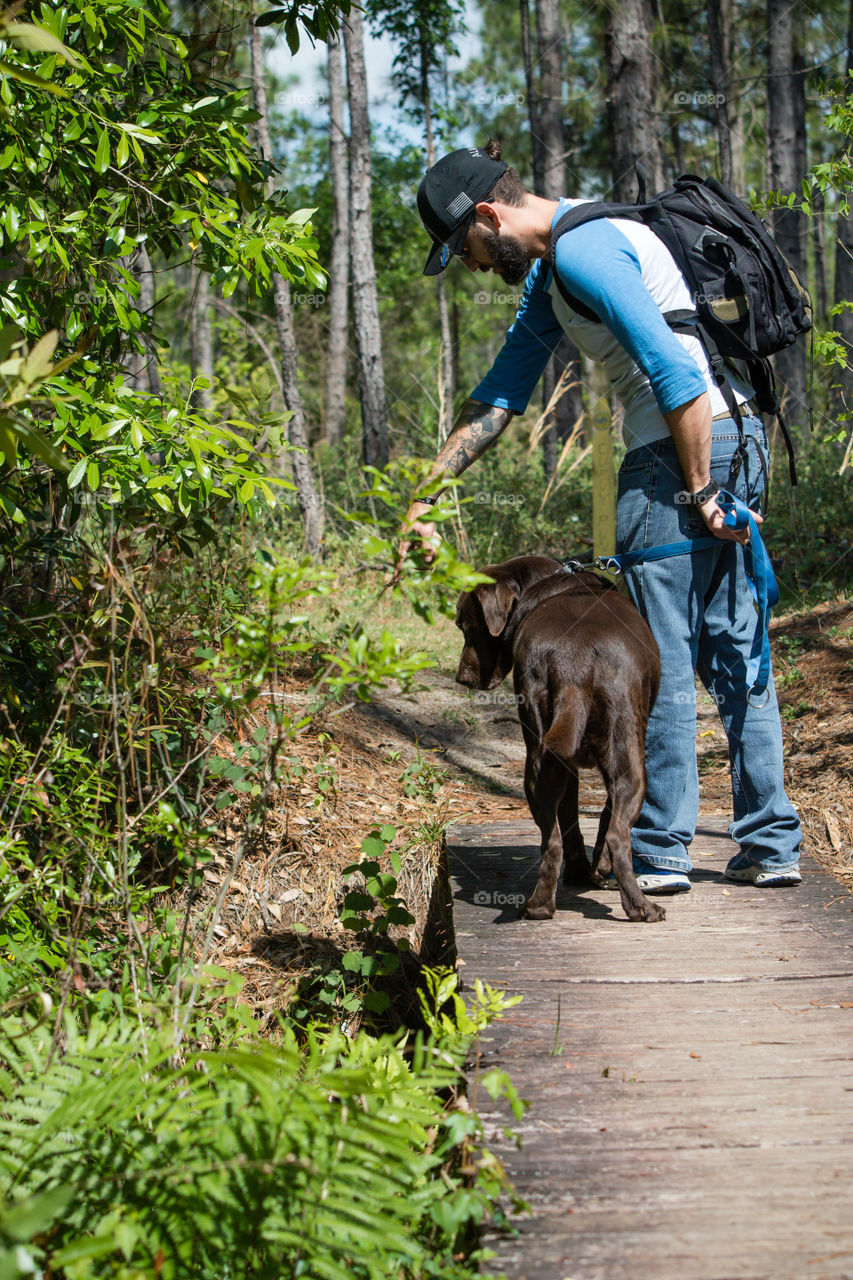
pixel 475 430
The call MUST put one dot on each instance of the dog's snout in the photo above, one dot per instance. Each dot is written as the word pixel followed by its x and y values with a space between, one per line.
pixel 466 676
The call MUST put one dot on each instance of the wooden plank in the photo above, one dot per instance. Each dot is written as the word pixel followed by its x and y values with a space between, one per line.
pixel 690 1082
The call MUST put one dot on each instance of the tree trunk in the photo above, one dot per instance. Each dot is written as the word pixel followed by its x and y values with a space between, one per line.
pixel 201 341
pixel 338 310
pixel 536 157
pixel 550 47
pixel 818 238
pixel 143 369
pixel 299 458
pixel 446 362
pixel 548 141
pixel 630 96
pixel 719 36
pixel 842 396
pixel 365 302
pixel 784 86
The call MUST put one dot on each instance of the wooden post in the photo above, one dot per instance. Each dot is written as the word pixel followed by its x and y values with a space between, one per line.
pixel 603 481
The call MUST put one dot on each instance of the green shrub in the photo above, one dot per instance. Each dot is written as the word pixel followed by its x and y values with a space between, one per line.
pixel 330 1158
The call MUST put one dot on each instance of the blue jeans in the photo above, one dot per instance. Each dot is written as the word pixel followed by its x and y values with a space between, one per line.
pixel 700 610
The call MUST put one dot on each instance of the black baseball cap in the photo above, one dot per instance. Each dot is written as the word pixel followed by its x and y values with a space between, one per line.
pixel 448 196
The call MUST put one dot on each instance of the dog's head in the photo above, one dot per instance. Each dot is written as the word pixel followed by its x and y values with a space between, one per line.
pixel 483 615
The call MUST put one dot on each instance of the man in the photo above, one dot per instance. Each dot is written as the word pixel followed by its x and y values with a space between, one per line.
pixel 680 441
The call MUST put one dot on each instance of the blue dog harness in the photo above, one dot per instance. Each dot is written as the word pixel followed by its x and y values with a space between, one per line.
pixel 759 573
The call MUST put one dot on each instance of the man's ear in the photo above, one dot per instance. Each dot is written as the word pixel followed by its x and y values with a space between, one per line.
pixel 487 211
pixel 497 600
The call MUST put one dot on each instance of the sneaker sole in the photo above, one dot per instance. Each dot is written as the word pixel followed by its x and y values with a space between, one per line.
pixel 650 883
pixel 676 883
pixel 764 879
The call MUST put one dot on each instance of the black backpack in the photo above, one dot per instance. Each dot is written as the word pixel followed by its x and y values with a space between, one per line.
pixel 748 300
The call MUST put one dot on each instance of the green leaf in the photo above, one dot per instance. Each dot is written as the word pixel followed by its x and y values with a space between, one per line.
pixel 38 446
pixel 37 363
pixel 35 39
pixel 36 1214
pixel 77 473
pixel 8 441
pixel 267 19
pixel 10 221
pixel 28 77
pixel 137 131
pixel 102 155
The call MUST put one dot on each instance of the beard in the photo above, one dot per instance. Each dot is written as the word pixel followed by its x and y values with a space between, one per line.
pixel 508 255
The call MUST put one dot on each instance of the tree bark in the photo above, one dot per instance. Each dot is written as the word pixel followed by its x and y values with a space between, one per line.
pixel 550 46
pixel 719 37
pixel 536 157
pixel 446 361
pixel 784 87
pixel 630 96
pixel 201 340
pixel 842 395
pixel 299 458
pixel 548 154
pixel 365 302
pixel 143 365
pixel 338 308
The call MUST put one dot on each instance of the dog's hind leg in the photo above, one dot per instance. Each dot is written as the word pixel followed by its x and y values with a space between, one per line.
pixel 625 779
pixel 548 792
pixel 576 868
pixel 601 867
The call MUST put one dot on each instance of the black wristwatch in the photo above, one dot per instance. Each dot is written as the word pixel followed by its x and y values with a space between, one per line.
pixel 686 499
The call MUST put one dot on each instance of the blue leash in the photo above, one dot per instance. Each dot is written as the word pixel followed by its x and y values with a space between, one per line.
pixel 759 573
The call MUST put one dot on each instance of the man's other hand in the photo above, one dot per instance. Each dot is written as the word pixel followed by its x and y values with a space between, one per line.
pixel 714 518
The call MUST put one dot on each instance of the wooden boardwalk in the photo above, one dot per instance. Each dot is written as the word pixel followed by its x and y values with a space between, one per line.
pixel 690 1082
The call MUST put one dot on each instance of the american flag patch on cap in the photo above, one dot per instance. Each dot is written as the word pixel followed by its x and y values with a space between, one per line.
pixel 460 204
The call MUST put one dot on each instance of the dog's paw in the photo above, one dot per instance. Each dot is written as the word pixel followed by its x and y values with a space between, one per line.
pixel 651 912
pixel 537 911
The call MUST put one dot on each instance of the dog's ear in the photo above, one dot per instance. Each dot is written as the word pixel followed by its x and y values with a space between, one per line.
pixel 497 600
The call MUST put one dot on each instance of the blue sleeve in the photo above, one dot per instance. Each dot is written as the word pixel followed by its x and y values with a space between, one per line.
pixel 621 300
pixel 529 345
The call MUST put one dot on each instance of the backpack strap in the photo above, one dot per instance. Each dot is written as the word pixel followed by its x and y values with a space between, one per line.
pixel 578 216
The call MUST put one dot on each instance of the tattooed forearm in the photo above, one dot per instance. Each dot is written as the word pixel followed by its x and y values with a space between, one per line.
pixel 475 430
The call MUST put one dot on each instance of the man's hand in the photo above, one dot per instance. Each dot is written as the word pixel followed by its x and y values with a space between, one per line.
pixel 714 518
pixel 475 430
pixel 423 532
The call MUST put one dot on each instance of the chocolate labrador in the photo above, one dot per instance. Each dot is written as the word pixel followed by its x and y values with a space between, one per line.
pixel 586 671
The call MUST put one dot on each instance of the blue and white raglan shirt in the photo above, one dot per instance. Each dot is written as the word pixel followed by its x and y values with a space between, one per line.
pixel 627 276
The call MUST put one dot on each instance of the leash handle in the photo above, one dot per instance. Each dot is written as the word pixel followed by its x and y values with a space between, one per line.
pixel 762 584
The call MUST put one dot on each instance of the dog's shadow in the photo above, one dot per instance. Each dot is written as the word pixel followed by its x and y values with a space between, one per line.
pixel 499 880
